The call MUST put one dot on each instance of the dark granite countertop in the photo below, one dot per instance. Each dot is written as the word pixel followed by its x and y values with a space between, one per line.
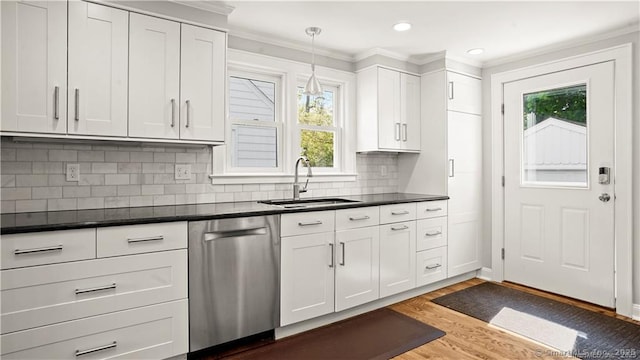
pixel 77 219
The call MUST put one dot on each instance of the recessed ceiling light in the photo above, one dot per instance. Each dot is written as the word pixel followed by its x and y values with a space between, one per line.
pixel 476 51
pixel 402 26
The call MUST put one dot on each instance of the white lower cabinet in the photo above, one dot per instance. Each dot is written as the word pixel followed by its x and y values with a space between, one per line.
pixel 307 277
pixel 357 267
pixel 431 266
pixel 397 257
pixel 150 332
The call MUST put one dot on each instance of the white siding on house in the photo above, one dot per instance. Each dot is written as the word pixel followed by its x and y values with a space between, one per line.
pixel 254 146
pixel 251 99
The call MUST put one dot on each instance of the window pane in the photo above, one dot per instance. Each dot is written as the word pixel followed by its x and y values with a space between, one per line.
pixel 254 146
pixel 251 99
pixel 315 111
pixel 318 147
pixel 555 137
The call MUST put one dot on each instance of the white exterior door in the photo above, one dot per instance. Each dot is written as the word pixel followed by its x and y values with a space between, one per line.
pixel 397 257
pixel 34 66
pixel 389 129
pixel 559 232
pixel 410 97
pixel 98 69
pixel 154 77
pixel 306 277
pixel 357 268
pixel 202 84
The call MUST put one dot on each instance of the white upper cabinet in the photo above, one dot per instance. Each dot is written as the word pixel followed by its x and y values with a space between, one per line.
pixel 34 66
pixel 463 93
pixel 98 69
pixel 388 111
pixel 202 88
pixel 154 77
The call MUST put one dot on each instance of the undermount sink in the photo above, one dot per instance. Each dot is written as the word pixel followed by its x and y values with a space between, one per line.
pixel 307 202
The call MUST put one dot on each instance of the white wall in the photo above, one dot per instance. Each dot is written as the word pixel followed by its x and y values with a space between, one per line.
pixel 566 51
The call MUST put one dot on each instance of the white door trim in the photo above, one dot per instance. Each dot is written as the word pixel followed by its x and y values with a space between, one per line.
pixel 622 56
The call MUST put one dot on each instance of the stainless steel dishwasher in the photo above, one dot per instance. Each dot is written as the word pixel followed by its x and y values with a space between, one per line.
pixel 234 279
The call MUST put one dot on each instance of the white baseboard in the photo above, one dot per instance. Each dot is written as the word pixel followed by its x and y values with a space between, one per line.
pixel 485 274
pixel 636 312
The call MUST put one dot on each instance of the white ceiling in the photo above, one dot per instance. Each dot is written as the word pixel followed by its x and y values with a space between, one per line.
pixel 353 28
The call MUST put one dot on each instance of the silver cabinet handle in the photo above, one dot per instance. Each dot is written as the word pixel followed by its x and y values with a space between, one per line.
pixel 96 349
pixel 342 246
pixel 403 227
pixel 317 222
pixel 215 235
pixel 450 90
pixel 397 131
pixel 404 212
pixel 404 134
pixel 452 171
pixel 433 209
pixel 434 233
pixel 56 102
pixel 353 218
pixel 150 238
pixel 97 288
pixel 173 112
pixel 188 102
pixel 333 256
pixel 431 267
pixel 37 250
pixel 77 107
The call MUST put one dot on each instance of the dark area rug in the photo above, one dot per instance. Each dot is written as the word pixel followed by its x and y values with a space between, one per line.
pixel 602 337
pixel 380 334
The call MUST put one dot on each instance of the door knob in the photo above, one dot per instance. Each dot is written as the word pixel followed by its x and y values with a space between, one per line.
pixel 604 197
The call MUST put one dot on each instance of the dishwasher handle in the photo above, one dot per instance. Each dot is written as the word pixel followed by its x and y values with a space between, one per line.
pixel 216 235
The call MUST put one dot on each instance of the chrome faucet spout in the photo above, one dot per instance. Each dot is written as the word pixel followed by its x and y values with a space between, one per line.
pixel 296 187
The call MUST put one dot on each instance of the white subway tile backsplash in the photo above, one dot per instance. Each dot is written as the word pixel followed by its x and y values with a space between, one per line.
pixel 129 190
pixel 141 201
pixel 140 156
pixel 15 167
pixel 116 179
pixel 62 204
pixel 175 189
pixel 159 200
pixel 116 201
pixel 47 168
pixel 31 205
pixel 164 157
pixel 7 181
pixel 76 191
pixel 152 189
pixel 91 203
pixel 16 193
pixel 103 191
pixel 91 156
pixel 48 192
pixel 104 168
pixel 91 179
pixel 63 155
pixel 186 158
pixel 7 154
pixel 8 206
pixel 33 155
pixel 116 156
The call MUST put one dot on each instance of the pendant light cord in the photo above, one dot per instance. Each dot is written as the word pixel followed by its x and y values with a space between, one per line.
pixel 313 53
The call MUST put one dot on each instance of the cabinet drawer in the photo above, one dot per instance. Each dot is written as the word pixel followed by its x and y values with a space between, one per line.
pixel 432 233
pixel 151 332
pixel 48 294
pixel 136 239
pixel 397 213
pixel 431 266
pixel 307 223
pixel 47 247
pixel 431 209
pixel 357 218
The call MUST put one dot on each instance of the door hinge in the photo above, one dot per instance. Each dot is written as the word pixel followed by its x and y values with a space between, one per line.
pixel 502 180
pixel 502 109
pixel 502 253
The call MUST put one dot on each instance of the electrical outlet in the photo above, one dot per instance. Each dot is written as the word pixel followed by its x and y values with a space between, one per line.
pixel 183 172
pixel 73 172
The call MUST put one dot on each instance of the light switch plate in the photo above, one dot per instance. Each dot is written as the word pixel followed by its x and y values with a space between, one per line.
pixel 73 172
pixel 183 172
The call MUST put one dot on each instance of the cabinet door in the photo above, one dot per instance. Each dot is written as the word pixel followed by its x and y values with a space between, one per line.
pixel 464 93
pixel 410 101
pixel 34 66
pixel 307 277
pixel 202 88
pixel 357 269
pixel 154 73
pixel 397 257
pixel 98 69
pixel 389 123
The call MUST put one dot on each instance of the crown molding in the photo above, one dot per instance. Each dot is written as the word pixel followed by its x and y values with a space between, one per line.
pixel 217 7
pixel 379 51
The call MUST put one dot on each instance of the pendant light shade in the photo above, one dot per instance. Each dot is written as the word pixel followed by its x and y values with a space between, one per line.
pixel 313 87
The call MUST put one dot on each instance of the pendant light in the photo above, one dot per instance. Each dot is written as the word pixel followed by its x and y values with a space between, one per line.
pixel 313 87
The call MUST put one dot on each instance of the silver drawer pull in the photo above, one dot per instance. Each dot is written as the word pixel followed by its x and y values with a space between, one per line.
pixel 94 289
pixel 215 235
pixel 150 238
pixel 403 227
pixel 431 267
pixel 404 212
pixel 333 256
pixel 434 233
pixel 352 218
pixel 317 222
pixel 96 349
pixel 37 250
pixel 342 246
pixel 434 209
pixel 56 102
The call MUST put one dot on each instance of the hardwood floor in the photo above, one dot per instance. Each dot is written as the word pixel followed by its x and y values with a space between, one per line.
pixel 470 338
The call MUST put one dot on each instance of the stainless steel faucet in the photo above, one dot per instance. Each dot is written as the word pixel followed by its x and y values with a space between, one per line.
pixel 296 186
